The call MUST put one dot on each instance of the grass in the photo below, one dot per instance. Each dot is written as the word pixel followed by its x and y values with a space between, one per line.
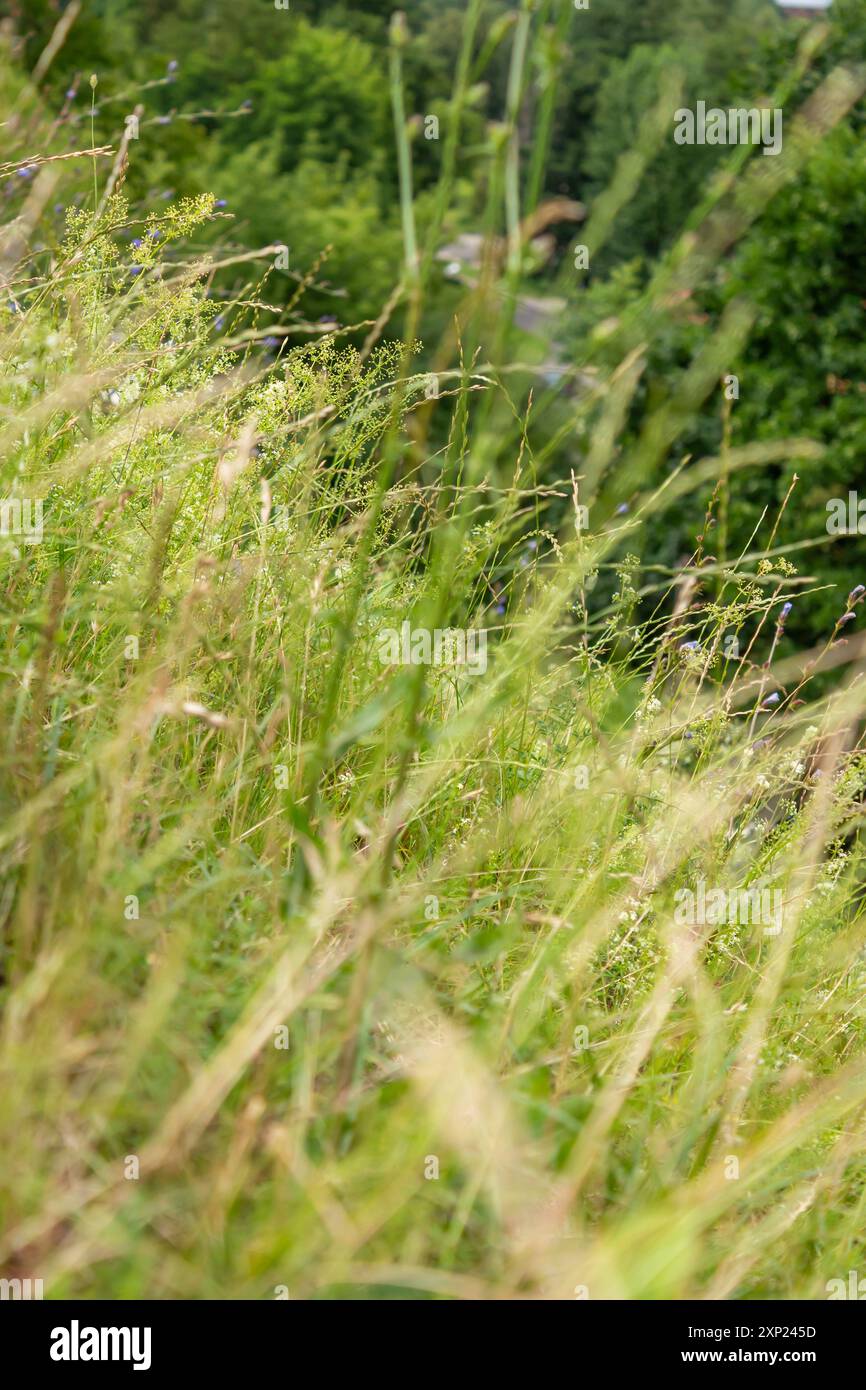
pixel 328 977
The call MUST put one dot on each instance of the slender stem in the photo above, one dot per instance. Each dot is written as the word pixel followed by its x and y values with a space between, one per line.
pixel 404 160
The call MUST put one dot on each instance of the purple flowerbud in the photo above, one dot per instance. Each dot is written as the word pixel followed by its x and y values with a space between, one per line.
pixel 500 607
pixel 154 233
pixel 772 699
pixel 70 94
pixel 136 269
pixel 622 509
pixel 219 321
pixel 846 618
pixel 786 608
pixel 221 203
pixel 136 241
pixel 690 646
pixel 533 544
pixel 172 65
pixel 856 593
pixel 271 343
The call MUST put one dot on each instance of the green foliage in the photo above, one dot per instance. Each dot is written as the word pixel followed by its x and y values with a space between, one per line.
pixel 291 921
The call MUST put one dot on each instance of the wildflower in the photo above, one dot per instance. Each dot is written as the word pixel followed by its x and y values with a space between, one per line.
pixel 622 509
pixel 690 646
pixel 856 592
pixel 786 608
pixel 172 65
pixel 70 94
pixel 221 203
pixel 771 700
pixel 846 618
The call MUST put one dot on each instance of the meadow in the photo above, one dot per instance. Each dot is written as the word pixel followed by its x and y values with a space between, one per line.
pixel 334 968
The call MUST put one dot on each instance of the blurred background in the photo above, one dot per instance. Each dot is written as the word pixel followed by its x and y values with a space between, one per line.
pixel 285 115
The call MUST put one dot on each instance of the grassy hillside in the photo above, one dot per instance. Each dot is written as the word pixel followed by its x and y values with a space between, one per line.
pixel 332 973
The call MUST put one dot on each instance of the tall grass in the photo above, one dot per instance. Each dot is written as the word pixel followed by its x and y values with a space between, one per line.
pixel 324 976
